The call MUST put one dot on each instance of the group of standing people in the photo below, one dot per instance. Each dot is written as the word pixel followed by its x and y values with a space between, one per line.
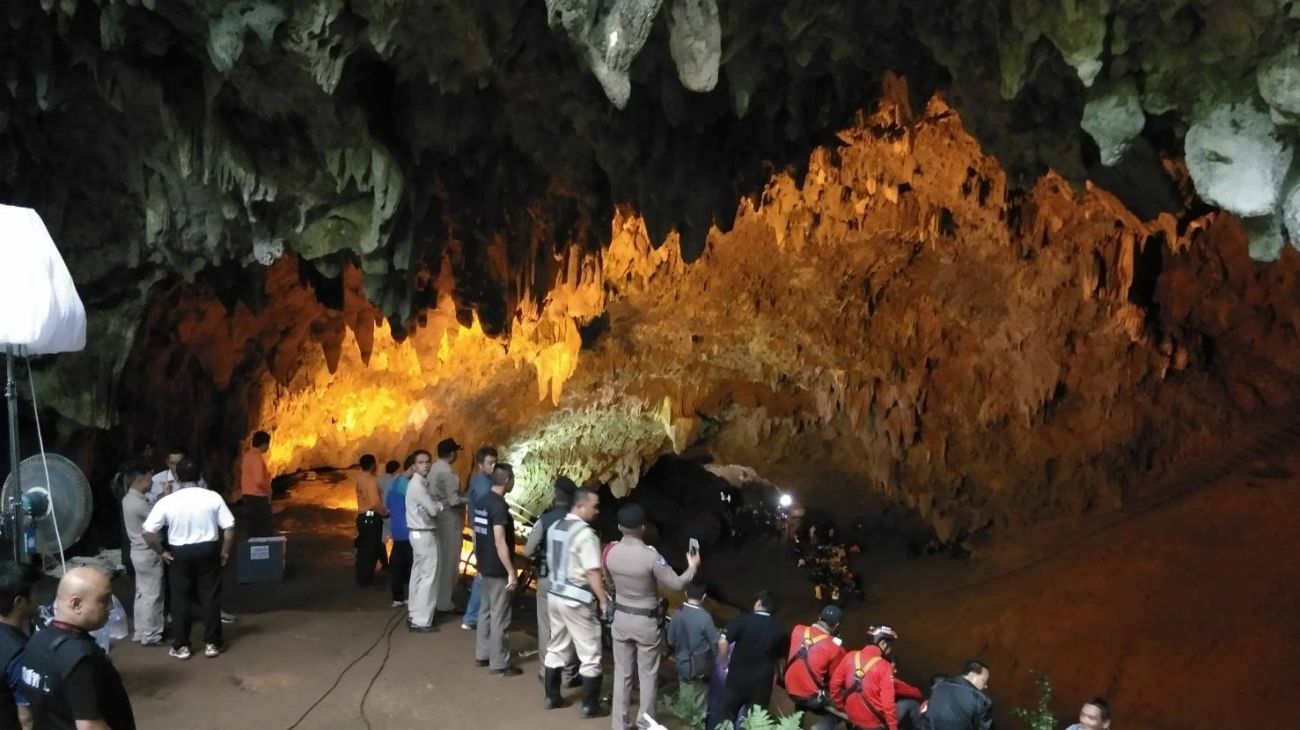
pixel 180 536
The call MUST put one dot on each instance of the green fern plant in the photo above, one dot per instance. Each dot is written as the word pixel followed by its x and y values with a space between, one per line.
pixel 760 719
pixel 1039 717
pixel 689 705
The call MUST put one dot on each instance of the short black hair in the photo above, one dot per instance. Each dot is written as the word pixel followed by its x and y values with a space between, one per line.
pixel 260 439
pixel 143 444
pixel 392 466
pixel 582 495
pixel 502 473
pixel 409 461
pixel 418 453
pixel 188 471
pixel 696 590
pixel 1103 707
pixel 16 581
pixel 367 462
pixel 564 490
pixel 178 449
pixel 973 666
pixel 484 452
pixel 766 598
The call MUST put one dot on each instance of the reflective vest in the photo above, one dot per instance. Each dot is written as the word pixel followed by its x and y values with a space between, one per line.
pixel 553 514
pixel 560 538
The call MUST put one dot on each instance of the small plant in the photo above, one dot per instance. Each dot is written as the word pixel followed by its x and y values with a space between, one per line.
pixel 689 705
pixel 1040 717
pixel 759 719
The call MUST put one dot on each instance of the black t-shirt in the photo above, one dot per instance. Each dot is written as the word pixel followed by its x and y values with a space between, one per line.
pixel 94 690
pixel 91 690
pixel 759 643
pixel 490 511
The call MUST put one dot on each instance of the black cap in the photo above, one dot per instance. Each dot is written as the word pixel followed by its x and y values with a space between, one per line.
pixel 831 616
pixel 631 516
pixel 447 447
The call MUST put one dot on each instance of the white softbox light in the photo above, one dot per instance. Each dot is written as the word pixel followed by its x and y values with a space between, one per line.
pixel 40 311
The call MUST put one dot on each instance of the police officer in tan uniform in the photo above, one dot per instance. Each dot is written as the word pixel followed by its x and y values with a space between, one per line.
pixel 637 570
pixel 577 593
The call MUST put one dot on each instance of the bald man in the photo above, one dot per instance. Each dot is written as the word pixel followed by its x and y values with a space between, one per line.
pixel 69 680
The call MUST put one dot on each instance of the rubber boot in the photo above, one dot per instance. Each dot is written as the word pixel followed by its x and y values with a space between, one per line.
pixel 591 698
pixel 551 684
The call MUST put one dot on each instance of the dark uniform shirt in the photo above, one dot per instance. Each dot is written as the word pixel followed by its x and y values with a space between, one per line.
pixel 489 511
pixel 11 693
pixel 956 704
pixel 759 643
pixel 68 677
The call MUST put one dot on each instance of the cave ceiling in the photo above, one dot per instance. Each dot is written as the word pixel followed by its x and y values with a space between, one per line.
pixel 344 174
pixel 183 136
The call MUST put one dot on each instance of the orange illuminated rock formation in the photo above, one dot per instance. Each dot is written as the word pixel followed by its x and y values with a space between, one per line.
pixel 899 322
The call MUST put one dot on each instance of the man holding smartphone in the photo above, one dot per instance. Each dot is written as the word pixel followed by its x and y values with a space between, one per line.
pixel 637 570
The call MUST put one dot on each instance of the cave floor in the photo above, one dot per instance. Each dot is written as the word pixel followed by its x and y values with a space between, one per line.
pixel 1141 609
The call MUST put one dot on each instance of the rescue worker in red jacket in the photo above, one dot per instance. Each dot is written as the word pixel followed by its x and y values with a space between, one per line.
pixel 863 684
pixel 815 652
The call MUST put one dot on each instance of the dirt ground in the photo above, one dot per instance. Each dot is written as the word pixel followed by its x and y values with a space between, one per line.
pixel 1182 614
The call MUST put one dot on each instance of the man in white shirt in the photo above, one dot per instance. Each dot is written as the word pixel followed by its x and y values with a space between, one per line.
pixel 200 534
pixel 422 510
pixel 166 480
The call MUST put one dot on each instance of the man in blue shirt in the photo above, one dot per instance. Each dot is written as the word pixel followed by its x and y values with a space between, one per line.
pixel 399 562
pixel 480 483
pixel 16 608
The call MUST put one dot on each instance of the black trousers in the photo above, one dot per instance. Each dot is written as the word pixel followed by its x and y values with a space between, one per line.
pixel 257 510
pixel 370 543
pixel 399 568
pixel 745 691
pixel 196 573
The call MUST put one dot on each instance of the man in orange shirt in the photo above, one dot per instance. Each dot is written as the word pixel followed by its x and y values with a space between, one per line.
pixel 370 521
pixel 815 654
pixel 255 485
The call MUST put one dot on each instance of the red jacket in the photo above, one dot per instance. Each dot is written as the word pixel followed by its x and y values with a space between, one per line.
pixel 876 690
pixel 824 655
pixel 905 691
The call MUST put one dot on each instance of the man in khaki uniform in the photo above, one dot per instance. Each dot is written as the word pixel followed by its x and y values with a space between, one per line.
pixel 637 570
pixel 422 522
pixel 148 613
pixel 444 485
pixel 577 591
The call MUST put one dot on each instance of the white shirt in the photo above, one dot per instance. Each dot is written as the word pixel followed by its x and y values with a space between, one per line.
pixel 192 515
pixel 163 482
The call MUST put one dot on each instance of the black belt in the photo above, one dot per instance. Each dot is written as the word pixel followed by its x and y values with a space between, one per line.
pixel 646 612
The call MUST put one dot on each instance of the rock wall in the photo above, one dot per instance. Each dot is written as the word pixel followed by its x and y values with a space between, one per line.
pixel 901 320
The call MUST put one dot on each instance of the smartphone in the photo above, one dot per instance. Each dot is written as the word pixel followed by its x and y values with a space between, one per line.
pixel 694 547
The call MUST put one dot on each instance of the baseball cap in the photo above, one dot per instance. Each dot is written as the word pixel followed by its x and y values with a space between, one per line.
pixel 448 446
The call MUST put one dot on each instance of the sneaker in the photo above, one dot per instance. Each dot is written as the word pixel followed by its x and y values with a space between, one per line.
pixel 182 653
pixel 508 672
pixel 395 604
pixel 481 662
pixel 151 642
pixel 228 618
pixel 467 627
pixel 420 629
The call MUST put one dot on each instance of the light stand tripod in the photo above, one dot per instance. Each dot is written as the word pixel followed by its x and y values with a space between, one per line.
pixel 13 508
